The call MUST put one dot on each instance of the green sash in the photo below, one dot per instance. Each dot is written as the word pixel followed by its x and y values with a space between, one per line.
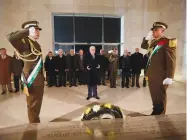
pixel 29 81
pixel 152 54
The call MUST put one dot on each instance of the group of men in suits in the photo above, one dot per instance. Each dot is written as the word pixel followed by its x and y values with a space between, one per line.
pixel 62 68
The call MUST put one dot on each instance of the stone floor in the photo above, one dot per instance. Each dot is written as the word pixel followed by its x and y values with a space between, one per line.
pixel 66 104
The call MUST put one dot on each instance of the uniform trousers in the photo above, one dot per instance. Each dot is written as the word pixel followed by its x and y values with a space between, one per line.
pixel 113 77
pixel 34 103
pixel 92 90
pixel 158 93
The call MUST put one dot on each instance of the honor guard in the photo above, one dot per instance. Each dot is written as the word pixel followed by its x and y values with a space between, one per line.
pixel 27 49
pixel 160 66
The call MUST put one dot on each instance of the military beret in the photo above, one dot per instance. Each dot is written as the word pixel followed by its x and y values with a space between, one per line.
pixel 159 24
pixel 29 24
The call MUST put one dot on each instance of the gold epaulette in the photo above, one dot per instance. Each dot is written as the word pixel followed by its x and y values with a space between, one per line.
pixel 173 43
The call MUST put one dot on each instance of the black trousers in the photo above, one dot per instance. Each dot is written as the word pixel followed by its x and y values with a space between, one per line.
pixel 72 78
pixel 92 90
pixel 125 78
pixel 81 77
pixel 137 77
pixel 61 79
pixel 102 76
pixel 17 82
pixel 51 78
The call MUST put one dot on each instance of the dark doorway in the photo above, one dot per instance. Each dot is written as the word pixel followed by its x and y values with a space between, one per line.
pixel 85 48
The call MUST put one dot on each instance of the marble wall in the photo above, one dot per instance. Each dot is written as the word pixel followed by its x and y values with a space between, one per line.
pixel 139 16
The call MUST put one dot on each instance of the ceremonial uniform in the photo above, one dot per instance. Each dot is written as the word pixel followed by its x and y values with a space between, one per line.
pixel 161 65
pixel 30 52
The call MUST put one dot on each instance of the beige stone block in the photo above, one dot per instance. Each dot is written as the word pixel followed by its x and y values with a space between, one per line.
pixel 108 10
pixel 81 2
pixel 120 11
pixel 95 10
pixel 109 3
pixel 121 3
pixel 60 8
pixel 95 2
pixel 80 9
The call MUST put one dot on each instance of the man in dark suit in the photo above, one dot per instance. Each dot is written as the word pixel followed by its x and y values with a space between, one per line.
pixel 81 72
pixel 92 66
pixel 137 65
pixel 125 66
pixel 72 68
pixel 50 69
pixel 103 61
pixel 60 66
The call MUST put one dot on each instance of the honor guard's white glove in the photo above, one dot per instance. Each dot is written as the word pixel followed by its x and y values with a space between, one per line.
pixel 149 36
pixel 98 66
pixel 167 81
pixel 32 31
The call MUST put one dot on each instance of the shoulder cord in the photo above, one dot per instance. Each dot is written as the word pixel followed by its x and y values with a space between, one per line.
pixel 34 51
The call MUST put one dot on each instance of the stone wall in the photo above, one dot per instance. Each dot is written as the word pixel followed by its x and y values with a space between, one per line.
pixel 139 16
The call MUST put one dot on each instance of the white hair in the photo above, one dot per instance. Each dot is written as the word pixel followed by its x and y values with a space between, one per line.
pixel 92 47
pixel 60 50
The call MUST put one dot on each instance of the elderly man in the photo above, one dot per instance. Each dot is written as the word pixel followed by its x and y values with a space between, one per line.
pixel 28 49
pixel 125 66
pixel 160 66
pixel 81 73
pixel 60 67
pixel 5 73
pixel 137 65
pixel 92 67
pixel 72 68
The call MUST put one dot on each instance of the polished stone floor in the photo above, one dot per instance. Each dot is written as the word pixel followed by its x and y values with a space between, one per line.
pixel 66 104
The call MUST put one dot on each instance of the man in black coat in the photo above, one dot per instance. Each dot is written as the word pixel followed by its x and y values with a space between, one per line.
pixel 50 69
pixel 137 65
pixel 125 66
pixel 81 72
pixel 92 66
pixel 60 66
pixel 72 67
pixel 103 61
pixel 145 59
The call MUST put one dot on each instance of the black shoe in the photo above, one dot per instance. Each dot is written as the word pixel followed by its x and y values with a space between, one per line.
pixel 138 86
pixel 16 91
pixel 114 86
pixel 111 87
pixel 122 87
pixel 87 98
pixel 127 86
pixel 70 85
pixel 3 92
pixel 11 91
pixel 104 84
pixel 50 85
pixel 75 85
pixel 97 98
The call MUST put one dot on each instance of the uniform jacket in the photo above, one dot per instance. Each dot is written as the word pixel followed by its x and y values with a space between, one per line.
pixel 92 75
pixel 20 41
pixel 16 66
pixel 5 70
pixel 113 63
pixel 164 61
pixel 136 62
